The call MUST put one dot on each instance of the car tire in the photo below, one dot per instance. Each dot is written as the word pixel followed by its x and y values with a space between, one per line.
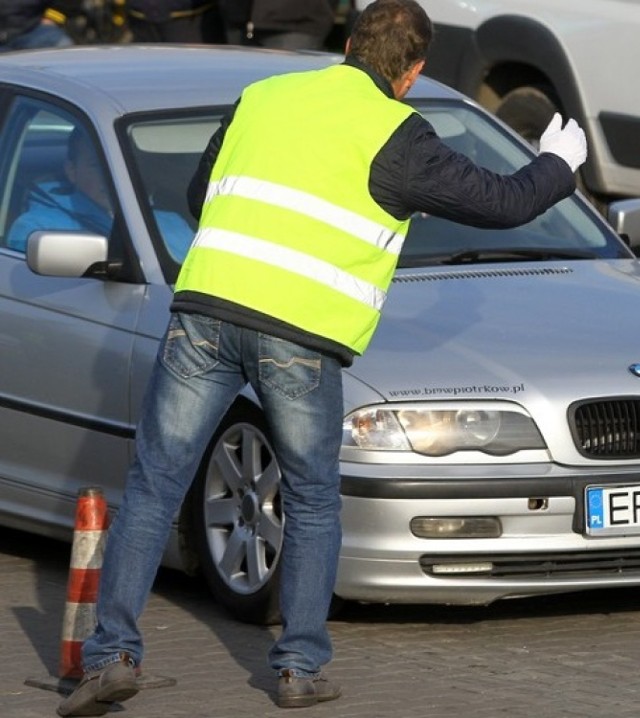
pixel 528 111
pixel 236 518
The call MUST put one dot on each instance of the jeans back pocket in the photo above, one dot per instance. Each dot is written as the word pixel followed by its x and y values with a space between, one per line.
pixel 191 344
pixel 288 368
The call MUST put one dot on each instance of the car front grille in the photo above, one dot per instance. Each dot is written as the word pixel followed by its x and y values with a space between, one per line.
pixel 539 565
pixel 607 429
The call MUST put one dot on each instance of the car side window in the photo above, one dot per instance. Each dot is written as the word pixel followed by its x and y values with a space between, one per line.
pixel 165 154
pixel 52 177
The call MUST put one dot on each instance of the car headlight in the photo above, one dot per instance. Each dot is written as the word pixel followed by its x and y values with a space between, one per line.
pixel 437 432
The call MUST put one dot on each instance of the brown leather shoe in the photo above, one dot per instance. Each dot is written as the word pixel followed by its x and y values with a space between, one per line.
pixel 96 691
pixel 296 692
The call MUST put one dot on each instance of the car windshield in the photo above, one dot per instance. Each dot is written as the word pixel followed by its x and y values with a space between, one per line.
pixel 567 230
pixel 165 151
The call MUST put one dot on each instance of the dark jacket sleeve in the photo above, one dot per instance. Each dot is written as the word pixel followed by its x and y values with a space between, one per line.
pixel 416 172
pixel 197 189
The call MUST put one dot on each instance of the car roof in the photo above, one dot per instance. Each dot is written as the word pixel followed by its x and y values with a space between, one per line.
pixel 146 77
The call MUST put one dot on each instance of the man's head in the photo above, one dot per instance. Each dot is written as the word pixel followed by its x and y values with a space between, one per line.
pixel 83 169
pixel 392 38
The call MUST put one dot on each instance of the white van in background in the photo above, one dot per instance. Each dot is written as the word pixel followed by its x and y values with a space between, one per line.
pixel 523 60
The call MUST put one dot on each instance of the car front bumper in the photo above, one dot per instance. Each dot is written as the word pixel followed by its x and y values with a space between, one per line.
pixel 543 547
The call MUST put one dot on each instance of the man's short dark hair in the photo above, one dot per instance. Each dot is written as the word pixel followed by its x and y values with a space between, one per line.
pixel 390 36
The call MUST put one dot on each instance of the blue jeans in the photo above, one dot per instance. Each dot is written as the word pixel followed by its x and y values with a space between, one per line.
pixel 202 364
pixel 43 35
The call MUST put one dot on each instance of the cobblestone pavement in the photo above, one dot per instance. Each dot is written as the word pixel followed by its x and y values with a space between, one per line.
pixel 554 657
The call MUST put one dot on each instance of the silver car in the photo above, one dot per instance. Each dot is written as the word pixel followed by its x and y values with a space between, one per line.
pixel 491 432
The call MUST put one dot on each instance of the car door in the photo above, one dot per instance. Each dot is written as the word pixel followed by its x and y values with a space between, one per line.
pixel 65 344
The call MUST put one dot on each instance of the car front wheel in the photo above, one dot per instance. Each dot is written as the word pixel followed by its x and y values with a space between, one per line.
pixel 236 517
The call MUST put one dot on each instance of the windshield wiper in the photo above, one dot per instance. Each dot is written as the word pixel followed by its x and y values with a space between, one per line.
pixel 508 254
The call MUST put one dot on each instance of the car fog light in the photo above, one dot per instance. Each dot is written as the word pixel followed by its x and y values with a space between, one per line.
pixel 456 527
pixel 451 568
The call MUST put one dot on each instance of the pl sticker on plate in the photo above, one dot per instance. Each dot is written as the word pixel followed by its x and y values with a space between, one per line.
pixel 612 510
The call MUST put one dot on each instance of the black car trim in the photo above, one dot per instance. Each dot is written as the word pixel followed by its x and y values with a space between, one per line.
pixel 112 428
pixel 514 38
pixel 606 428
pixel 622 133
pixel 388 488
pixel 534 487
pixel 554 565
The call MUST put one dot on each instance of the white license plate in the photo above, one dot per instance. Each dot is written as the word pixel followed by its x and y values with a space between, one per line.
pixel 612 510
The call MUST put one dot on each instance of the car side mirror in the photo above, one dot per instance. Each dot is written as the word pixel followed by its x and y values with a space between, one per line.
pixel 624 216
pixel 68 254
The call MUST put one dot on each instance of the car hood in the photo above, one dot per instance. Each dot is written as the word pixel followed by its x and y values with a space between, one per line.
pixel 530 332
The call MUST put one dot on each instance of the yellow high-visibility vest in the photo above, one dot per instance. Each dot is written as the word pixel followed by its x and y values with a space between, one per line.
pixel 288 226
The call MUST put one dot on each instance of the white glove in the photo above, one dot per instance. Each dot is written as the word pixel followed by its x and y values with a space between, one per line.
pixel 568 143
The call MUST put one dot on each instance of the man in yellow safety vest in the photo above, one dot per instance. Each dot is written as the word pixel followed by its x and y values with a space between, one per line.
pixel 304 197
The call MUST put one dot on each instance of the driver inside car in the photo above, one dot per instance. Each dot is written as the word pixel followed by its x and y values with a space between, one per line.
pixel 81 202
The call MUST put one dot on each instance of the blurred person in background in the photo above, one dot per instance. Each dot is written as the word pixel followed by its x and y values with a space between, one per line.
pixel 182 21
pixel 29 24
pixel 279 24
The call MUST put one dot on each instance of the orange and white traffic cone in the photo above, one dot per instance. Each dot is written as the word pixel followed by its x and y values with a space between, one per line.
pixel 90 532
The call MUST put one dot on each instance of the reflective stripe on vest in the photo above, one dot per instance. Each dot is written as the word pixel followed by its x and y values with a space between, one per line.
pixel 315 207
pixel 297 262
